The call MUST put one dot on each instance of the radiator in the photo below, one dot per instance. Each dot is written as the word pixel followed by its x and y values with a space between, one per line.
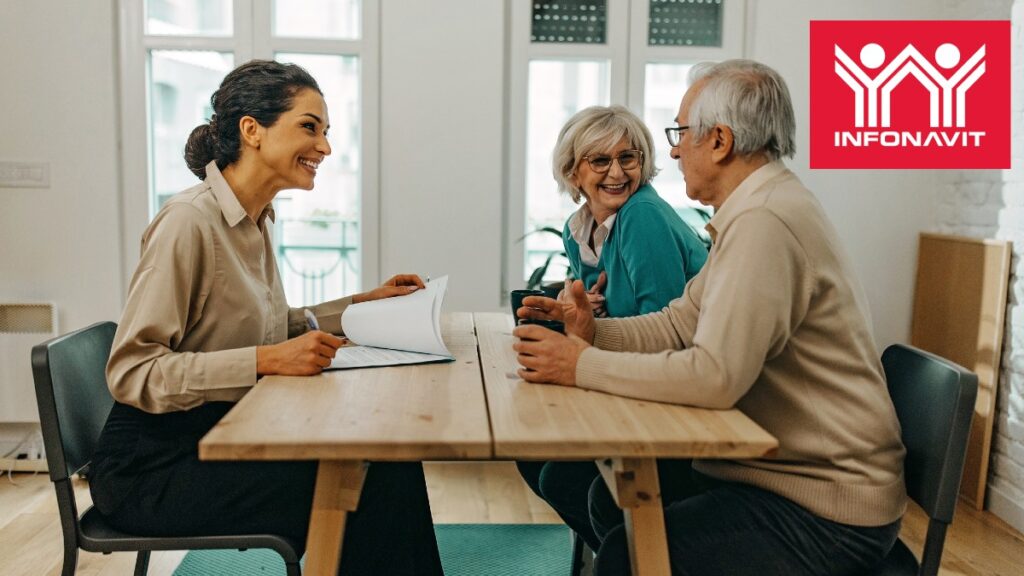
pixel 22 326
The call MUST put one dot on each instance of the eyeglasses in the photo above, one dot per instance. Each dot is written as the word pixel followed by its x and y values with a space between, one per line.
pixel 627 159
pixel 675 134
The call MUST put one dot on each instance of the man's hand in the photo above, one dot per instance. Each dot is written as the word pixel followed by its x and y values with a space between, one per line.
pixel 547 356
pixel 573 308
pixel 398 285
pixel 301 356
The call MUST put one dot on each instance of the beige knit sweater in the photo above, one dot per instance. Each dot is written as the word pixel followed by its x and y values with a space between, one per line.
pixel 776 325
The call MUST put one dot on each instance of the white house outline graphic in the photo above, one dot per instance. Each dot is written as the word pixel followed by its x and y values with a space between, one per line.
pixel 909 62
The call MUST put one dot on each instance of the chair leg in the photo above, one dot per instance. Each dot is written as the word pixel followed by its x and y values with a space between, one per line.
pixel 68 524
pixel 577 555
pixel 142 563
pixel 70 559
pixel 292 569
pixel 931 558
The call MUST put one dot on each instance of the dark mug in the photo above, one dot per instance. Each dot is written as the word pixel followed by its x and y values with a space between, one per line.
pixel 516 299
pixel 556 325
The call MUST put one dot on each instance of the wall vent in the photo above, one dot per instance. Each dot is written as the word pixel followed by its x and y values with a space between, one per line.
pixel 22 326
pixel 27 318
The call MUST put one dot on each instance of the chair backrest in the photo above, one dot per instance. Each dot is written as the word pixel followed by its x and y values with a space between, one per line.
pixel 934 400
pixel 72 394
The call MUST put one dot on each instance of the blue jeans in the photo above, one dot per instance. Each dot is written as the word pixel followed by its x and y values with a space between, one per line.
pixel 728 528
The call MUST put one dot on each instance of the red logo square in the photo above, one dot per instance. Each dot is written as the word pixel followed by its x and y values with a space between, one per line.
pixel 912 94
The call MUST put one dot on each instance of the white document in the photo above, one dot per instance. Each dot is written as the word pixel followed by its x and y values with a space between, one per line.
pixel 368 356
pixel 394 331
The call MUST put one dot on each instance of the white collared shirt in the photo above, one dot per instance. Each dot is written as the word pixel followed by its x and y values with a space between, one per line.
pixel 580 225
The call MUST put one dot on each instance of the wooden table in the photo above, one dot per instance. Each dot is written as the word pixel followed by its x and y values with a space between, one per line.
pixel 625 437
pixel 345 418
pixel 441 412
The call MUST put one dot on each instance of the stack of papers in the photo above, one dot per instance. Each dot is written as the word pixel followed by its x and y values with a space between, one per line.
pixel 395 331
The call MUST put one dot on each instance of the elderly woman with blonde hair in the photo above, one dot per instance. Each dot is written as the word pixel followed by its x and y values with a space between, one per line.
pixel 628 245
pixel 630 248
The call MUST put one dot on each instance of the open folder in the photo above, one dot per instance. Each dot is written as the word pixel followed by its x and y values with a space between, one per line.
pixel 395 331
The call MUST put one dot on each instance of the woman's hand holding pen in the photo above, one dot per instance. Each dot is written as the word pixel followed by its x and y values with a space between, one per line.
pixel 301 356
pixel 313 351
pixel 398 285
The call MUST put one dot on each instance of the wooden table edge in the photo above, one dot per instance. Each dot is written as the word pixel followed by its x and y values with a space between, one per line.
pixel 214 452
pixel 526 450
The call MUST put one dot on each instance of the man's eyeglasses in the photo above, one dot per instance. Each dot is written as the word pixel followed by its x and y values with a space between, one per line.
pixel 675 133
pixel 627 159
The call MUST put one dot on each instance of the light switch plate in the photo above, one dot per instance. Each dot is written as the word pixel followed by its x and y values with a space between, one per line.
pixel 24 174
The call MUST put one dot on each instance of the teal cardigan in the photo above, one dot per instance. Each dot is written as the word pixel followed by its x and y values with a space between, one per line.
pixel 649 256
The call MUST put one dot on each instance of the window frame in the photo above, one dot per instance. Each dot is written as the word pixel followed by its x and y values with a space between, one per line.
pixel 252 37
pixel 628 54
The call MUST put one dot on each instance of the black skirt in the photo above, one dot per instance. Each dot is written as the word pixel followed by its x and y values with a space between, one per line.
pixel 147 479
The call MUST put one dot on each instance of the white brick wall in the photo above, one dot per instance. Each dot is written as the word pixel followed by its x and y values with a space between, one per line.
pixel 969 203
pixel 988 204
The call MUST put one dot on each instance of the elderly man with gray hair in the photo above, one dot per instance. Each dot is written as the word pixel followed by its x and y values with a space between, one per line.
pixel 777 325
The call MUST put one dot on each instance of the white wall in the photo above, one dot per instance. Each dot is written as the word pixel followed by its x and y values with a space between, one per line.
pixel 57 105
pixel 61 243
pixel 441 145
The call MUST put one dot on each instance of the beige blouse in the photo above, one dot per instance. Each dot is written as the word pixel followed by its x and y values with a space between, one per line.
pixel 205 294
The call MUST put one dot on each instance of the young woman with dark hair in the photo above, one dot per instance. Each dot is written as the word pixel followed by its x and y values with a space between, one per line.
pixel 206 317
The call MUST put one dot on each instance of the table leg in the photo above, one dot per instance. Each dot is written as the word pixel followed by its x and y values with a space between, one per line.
pixel 338 485
pixel 633 483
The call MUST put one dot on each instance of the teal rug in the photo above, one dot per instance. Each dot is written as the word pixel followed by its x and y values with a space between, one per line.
pixel 466 550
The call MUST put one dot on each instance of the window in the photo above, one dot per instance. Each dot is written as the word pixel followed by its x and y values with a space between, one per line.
pixel 175 54
pixel 558 88
pixel 191 76
pixel 570 54
pixel 319 229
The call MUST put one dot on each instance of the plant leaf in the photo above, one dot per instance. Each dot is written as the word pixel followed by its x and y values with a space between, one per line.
pixel 547 229
pixel 537 276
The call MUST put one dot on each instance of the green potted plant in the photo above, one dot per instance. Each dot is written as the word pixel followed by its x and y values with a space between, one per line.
pixel 536 280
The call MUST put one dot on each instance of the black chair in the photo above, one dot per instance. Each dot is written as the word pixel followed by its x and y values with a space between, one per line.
pixel 582 557
pixel 71 390
pixel 934 400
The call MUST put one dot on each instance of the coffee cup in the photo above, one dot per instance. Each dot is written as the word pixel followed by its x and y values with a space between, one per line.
pixel 516 299
pixel 556 325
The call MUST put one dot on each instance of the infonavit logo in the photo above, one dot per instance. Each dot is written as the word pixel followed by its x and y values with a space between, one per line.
pixel 922 94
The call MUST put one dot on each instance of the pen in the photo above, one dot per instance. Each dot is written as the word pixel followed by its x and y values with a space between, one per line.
pixel 310 319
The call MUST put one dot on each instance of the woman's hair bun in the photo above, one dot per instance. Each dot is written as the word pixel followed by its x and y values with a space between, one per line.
pixel 200 149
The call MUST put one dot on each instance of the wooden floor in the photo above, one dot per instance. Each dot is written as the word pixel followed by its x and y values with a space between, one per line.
pixel 30 541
